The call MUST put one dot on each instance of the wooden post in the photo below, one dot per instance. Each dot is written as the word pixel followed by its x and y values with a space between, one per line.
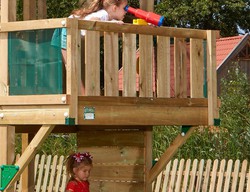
pixel 28 183
pixel 213 111
pixel 73 65
pixel 29 9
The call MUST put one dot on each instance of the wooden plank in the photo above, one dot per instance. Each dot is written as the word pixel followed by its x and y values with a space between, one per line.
pixel 242 176
pixel 123 173
pixel 166 177
pixel 163 67
pixel 228 175
pixel 235 176
pixel 45 179
pixel 28 181
pixel 29 153
pixel 35 100
pixel 180 68
pixel 7 138
pixel 196 68
pixel 220 176
pixel 248 180
pixel 207 175
pixel 52 173
pixel 146 66
pixel 73 67
pixel 111 138
pixel 213 110
pixel 116 186
pixel 59 173
pixel 169 153
pixel 111 64
pixel 173 176
pixel 144 29
pixel 158 182
pixel 193 175
pixel 186 175
pixel 148 154
pixel 38 186
pixel 29 10
pixel 129 65
pixel 212 183
pixel 92 63
pixel 118 155
pixel 41 9
pixel 179 176
pixel 28 115
pixel 199 176
pixel 34 25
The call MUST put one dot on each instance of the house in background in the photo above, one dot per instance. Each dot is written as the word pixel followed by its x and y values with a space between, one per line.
pixel 228 51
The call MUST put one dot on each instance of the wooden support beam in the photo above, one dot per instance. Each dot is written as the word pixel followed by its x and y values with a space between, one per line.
pixel 213 110
pixel 168 154
pixel 7 138
pixel 31 150
pixel 29 9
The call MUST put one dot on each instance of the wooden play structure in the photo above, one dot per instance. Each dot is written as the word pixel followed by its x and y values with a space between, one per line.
pixel 114 122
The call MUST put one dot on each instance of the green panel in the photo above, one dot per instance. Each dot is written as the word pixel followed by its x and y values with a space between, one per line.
pixel 35 64
pixel 7 172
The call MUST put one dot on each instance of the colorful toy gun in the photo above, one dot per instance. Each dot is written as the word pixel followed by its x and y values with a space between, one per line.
pixel 149 17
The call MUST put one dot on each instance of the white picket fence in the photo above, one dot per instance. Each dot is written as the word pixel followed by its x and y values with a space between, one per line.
pixel 204 176
pixel 178 176
pixel 50 174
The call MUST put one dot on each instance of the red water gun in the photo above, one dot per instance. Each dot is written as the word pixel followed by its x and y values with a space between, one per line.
pixel 149 17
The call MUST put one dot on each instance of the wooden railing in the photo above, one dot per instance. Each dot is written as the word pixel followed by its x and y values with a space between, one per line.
pixel 179 175
pixel 204 175
pixel 185 60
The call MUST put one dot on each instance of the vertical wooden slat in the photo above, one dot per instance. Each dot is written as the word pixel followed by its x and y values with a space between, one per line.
pixel 46 173
pixel 7 138
pixel 180 68
pixel 213 112
pixel 129 65
pixel 242 176
pixel 52 174
pixel 148 143
pixel 248 180
pixel 193 176
pixel 29 9
pixel 111 64
pixel 212 183
pixel 221 175
pixel 235 175
pixel 186 176
pixel 146 66
pixel 163 66
pixel 92 63
pixel 228 175
pixel 64 180
pixel 40 173
pixel 73 66
pixel 173 176
pixel 158 183
pixel 166 176
pixel 41 9
pixel 179 175
pixel 8 13
pixel 59 173
pixel 206 175
pixel 196 68
pixel 200 176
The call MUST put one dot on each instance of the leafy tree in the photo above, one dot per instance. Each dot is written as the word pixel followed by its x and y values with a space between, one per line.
pixel 224 15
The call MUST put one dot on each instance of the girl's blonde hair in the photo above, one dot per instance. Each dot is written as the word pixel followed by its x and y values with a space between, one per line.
pixel 77 160
pixel 90 6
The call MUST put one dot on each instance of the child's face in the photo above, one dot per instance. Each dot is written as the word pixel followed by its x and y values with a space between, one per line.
pixel 82 173
pixel 119 12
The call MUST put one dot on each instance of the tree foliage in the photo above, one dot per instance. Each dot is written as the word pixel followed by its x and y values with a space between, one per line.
pixel 224 15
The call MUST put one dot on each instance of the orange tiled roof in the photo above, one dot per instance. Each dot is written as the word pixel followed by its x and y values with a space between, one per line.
pixel 224 46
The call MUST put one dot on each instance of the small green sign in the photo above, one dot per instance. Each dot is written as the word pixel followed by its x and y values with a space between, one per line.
pixel 89 113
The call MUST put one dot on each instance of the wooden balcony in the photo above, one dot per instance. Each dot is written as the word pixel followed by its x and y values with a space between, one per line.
pixel 166 89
